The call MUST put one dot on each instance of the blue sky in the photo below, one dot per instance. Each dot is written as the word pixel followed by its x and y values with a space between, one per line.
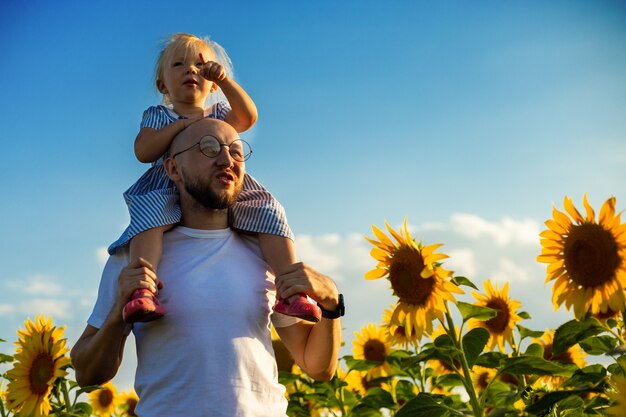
pixel 470 118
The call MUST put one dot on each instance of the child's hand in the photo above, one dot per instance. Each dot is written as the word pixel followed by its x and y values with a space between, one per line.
pixel 212 71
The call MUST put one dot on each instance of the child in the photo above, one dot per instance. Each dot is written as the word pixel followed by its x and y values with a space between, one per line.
pixel 188 70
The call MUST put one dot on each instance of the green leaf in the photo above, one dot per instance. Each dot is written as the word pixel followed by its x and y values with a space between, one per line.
pixel 421 405
pixel 598 345
pixel 527 365
pixel 365 411
pixel 524 332
pixel 474 343
pixel 588 376
pixel 469 311
pixel 491 359
pixel 616 369
pixel 378 398
pixel 448 380
pixel 5 358
pixel 545 403
pixel 534 349
pixel 84 409
pixel 405 391
pixel 524 315
pixel 359 364
pixel 458 281
pixel 570 333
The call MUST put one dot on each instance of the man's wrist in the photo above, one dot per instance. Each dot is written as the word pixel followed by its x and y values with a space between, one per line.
pixel 338 310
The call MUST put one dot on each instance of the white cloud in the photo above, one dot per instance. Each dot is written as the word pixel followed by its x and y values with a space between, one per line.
pixel 506 232
pixel 59 309
pixel 6 309
pixel 36 284
pixel 462 262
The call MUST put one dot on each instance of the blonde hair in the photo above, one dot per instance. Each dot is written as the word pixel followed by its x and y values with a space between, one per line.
pixel 193 45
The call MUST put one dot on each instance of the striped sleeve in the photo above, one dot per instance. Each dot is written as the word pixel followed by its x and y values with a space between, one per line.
pixel 220 110
pixel 155 117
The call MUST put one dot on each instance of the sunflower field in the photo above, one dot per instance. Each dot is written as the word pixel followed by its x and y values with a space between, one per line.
pixel 431 354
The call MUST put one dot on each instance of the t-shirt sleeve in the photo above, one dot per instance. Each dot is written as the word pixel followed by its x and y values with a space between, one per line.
pixel 108 289
pixel 154 117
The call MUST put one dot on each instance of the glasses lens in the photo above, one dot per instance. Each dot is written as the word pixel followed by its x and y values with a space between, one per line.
pixel 210 146
pixel 239 150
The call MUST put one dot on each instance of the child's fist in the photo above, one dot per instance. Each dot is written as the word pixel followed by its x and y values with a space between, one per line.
pixel 212 71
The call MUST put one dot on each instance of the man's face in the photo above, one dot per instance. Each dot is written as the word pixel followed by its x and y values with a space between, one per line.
pixel 214 183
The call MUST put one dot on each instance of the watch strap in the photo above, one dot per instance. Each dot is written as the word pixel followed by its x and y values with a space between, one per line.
pixel 336 313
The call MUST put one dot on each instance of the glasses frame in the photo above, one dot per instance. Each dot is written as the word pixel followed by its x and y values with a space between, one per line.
pixel 222 145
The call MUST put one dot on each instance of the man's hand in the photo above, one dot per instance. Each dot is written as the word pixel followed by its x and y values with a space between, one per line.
pixel 301 278
pixel 212 71
pixel 138 274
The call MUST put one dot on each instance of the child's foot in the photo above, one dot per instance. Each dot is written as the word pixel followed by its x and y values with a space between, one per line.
pixel 142 307
pixel 299 306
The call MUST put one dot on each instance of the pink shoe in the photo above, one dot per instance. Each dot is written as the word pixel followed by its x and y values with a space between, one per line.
pixel 300 307
pixel 142 307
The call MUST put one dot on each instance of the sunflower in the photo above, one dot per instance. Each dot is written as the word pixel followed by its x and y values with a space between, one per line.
pixel 40 359
pixel 417 279
pixel 128 402
pixel 481 377
pixel 396 332
pixel 372 345
pixel 501 326
pixel 356 380
pixel 618 396
pixel 104 400
pixel 587 260
pixel 574 354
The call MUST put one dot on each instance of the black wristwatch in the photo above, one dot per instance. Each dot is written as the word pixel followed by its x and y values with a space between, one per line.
pixel 336 313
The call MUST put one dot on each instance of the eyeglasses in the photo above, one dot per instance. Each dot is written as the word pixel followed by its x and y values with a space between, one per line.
pixel 210 147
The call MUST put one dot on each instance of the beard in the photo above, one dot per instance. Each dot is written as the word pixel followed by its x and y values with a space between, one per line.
pixel 207 197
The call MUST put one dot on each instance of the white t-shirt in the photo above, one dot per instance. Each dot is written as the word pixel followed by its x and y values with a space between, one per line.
pixel 211 355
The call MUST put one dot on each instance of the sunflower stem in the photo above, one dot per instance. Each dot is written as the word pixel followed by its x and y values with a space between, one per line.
pixel 467 378
pixel 66 397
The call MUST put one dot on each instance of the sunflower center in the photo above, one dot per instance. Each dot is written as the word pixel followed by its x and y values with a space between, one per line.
pixel 499 323
pixel 483 380
pixel 374 350
pixel 105 397
pixel 563 357
pixel 41 372
pixel 132 403
pixel 400 331
pixel 591 255
pixel 406 281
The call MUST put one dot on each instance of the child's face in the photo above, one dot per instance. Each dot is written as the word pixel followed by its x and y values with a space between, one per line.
pixel 182 81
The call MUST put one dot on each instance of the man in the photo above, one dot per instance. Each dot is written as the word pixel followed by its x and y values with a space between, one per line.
pixel 211 355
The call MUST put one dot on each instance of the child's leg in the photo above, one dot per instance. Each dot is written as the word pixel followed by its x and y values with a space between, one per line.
pixel 143 305
pixel 280 253
pixel 149 245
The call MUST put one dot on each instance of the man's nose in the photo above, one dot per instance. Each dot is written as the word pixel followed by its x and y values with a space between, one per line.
pixel 192 69
pixel 224 158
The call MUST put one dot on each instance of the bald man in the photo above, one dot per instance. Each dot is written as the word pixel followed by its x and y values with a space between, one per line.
pixel 211 355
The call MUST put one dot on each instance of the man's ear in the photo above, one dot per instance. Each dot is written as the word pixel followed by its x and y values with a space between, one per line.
pixel 171 168
pixel 213 88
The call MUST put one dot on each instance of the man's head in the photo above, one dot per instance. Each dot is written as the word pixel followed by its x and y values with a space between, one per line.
pixel 211 182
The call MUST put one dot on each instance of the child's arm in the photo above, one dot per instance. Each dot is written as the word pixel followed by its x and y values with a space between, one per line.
pixel 243 113
pixel 151 144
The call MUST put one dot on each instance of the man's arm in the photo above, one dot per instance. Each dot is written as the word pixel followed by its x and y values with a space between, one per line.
pixel 314 347
pixel 97 355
